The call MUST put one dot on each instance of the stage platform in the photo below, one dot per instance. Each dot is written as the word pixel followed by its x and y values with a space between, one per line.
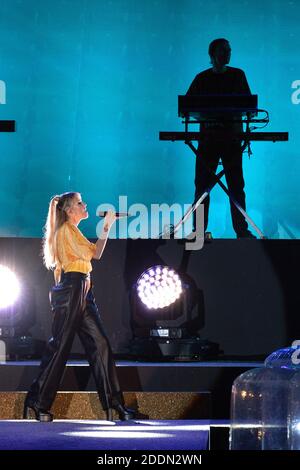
pixel 190 390
pixel 249 306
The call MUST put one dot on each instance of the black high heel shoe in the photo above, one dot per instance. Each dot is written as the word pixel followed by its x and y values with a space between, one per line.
pixel 40 415
pixel 125 414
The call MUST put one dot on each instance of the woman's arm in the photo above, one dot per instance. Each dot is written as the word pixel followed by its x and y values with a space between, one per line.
pixel 109 220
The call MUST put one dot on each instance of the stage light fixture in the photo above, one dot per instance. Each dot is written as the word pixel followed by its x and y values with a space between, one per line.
pixel 167 313
pixel 9 287
pixel 12 298
pixel 163 303
pixel 158 287
pixel 17 316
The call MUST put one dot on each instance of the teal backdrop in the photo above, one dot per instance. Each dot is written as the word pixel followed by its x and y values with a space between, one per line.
pixel 91 83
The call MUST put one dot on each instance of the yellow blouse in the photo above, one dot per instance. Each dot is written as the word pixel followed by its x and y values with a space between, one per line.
pixel 74 251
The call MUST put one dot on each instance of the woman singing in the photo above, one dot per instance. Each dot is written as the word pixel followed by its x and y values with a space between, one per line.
pixel 69 253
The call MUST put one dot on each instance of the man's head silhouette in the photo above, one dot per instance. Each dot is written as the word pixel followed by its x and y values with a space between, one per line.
pixel 219 51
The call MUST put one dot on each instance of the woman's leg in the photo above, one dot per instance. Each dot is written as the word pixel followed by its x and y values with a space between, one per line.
pixel 66 303
pixel 96 344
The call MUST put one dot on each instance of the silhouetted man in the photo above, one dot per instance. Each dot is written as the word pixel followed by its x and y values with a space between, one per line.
pixel 221 80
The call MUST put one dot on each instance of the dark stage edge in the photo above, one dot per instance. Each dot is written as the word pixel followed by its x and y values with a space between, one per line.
pixel 214 377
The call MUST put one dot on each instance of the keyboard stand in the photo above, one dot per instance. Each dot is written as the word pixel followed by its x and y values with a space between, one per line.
pixel 217 180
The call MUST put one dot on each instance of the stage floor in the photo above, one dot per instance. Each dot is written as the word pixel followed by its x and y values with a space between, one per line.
pixel 104 435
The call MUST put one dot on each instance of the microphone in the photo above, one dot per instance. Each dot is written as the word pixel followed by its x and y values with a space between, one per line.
pixel 118 214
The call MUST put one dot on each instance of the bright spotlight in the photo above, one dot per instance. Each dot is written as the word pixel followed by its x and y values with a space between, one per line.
pixel 17 316
pixel 9 287
pixel 167 313
pixel 159 287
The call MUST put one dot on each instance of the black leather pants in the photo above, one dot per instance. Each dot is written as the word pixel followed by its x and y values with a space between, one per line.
pixel 75 311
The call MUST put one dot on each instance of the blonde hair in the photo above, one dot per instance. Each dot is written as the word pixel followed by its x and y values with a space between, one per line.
pixel 56 217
